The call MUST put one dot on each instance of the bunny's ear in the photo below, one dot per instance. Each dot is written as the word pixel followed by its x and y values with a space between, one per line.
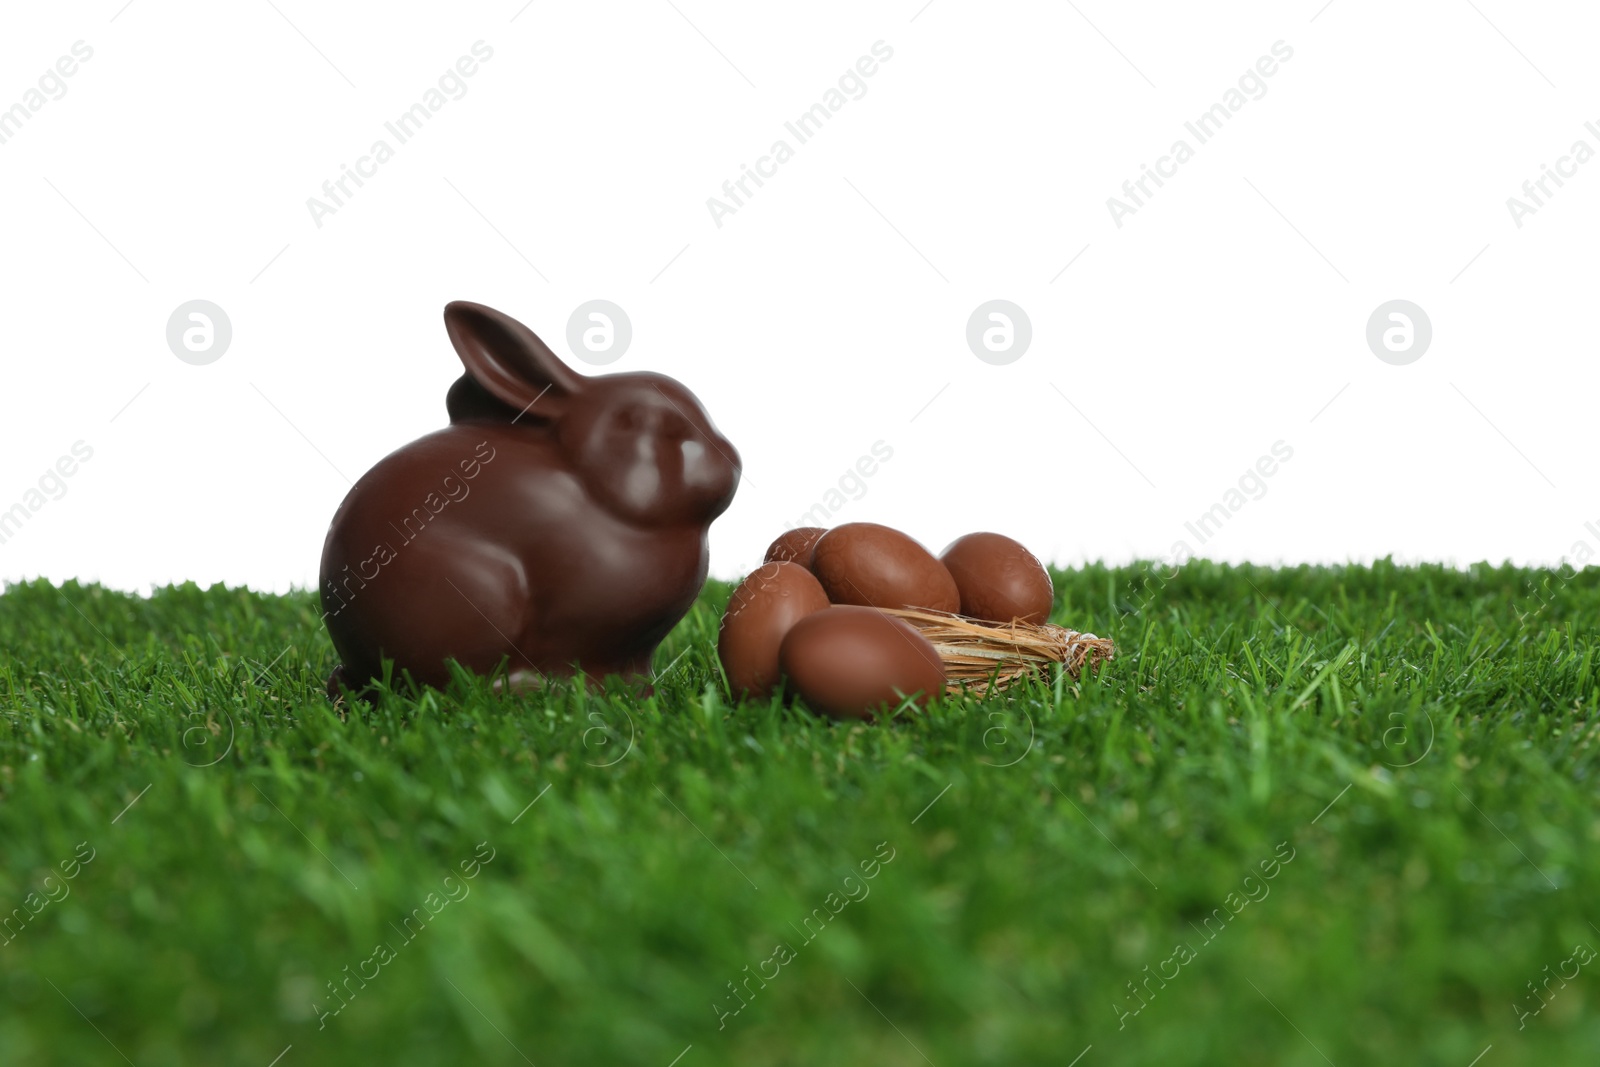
pixel 509 360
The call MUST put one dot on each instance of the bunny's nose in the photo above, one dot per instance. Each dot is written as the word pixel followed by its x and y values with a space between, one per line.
pixel 711 471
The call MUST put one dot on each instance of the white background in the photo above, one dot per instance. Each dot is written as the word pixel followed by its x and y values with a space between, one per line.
pixel 826 314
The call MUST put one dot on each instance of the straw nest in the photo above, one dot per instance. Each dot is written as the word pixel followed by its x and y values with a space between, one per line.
pixel 991 655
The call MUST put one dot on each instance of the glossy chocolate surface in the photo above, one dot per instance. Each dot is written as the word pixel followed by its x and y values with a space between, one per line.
pixel 558 524
pixel 877 566
pixel 849 662
pixel 999 579
pixel 794 546
pixel 760 613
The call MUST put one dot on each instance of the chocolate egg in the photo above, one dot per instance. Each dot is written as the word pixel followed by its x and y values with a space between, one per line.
pixel 867 564
pixel 795 545
pixel 848 661
pixel 999 579
pixel 760 613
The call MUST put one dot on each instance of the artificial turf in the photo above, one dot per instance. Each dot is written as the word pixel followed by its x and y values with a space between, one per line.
pixel 1314 815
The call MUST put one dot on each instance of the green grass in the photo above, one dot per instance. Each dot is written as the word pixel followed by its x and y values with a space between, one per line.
pixel 1422 741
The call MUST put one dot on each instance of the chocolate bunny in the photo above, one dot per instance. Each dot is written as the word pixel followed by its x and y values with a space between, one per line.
pixel 558 522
